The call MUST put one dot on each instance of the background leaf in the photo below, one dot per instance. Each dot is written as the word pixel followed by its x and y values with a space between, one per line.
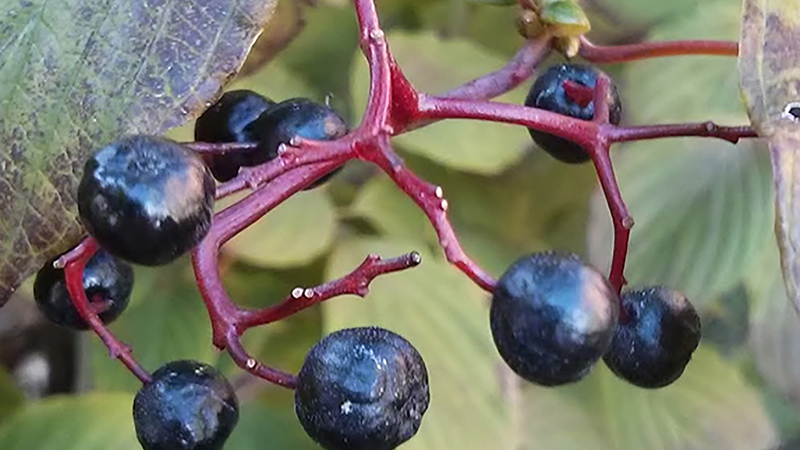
pixel 261 426
pixel 294 233
pixel 709 407
pixel 88 422
pixel 445 316
pixel 75 75
pixel 702 207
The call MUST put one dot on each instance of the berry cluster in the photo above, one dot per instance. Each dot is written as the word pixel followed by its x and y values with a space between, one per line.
pixel 148 200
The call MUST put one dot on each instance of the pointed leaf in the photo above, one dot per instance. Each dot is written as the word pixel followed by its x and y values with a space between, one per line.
pixel 76 74
pixel 768 61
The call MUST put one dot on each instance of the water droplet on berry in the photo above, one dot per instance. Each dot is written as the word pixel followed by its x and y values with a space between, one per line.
pixel 439 192
pixel 297 292
pixel 444 205
pixel 309 293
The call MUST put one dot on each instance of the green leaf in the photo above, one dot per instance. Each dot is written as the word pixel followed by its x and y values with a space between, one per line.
pixel 536 204
pixel 564 18
pixel 166 321
pixel 552 420
pixel 445 316
pixel 88 422
pixel 10 396
pixel 263 427
pixel 702 207
pixel 434 65
pixel 296 232
pixel 769 80
pixel 710 407
pixel 702 212
pixel 391 211
pixel 75 75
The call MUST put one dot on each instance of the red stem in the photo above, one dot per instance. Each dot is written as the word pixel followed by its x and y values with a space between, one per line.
pixel 355 283
pixel 517 71
pixel 395 107
pixel 73 264
pixel 625 53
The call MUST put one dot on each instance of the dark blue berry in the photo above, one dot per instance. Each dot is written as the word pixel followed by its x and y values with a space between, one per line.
pixel 652 348
pixel 107 281
pixel 187 406
pixel 548 93
pixel 362 389
pixel 552 317
pixel 298 117
pixel 228 120
pixel 146 200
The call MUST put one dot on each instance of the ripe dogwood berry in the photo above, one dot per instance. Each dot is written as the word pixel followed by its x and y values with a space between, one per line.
pixel 548 93
pixel 187 406
pixel 652 348
pixel 230 120
pixel 362 389
pixel 107 281
pixel 298 117
pixel 552 317
pixel 146 199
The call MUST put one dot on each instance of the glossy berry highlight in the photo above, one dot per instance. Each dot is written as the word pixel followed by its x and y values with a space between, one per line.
pixel 548 93
pixel 230 120
pixel 299 117
pixel 187 406
pixel 362 389
pixel 552 317
pixel 145 199
pixel 652 348
pixel 107 281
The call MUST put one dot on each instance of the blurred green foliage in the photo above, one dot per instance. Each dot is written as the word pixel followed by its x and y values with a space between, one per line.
pixel 704 216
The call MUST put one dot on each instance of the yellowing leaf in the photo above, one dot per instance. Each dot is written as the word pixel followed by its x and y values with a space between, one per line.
pixel 769 68
pixel 75 75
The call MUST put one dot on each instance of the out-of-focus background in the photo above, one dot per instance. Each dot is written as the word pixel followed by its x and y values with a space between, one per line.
pixel 703 213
